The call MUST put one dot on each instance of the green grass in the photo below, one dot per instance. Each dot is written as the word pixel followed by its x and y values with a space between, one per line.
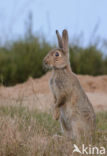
pixel 102 120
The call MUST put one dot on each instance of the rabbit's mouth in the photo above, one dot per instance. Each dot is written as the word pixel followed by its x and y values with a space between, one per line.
pixel 47 66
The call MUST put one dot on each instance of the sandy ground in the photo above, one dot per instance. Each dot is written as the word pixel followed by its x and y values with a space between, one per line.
pixel 36 92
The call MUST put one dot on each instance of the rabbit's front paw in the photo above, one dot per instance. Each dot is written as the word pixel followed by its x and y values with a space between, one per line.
pixel 56 113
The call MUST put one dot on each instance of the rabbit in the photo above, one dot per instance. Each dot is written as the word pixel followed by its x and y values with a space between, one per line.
pixel 71 105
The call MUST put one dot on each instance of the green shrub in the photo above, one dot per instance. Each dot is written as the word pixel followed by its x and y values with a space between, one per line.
pixel 87 61
pixel 24 59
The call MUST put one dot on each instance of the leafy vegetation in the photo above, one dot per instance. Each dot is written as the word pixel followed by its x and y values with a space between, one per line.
pixel 21 60
pixel 24 59
pixel 88 61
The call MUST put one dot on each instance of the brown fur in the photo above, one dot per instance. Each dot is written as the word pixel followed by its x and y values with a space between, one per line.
pixel 71 104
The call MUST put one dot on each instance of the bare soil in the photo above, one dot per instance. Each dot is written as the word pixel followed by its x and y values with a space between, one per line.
pixel 37 92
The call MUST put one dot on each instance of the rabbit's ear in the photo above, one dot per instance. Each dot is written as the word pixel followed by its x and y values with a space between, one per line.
pixel 59 39
pixel 65 40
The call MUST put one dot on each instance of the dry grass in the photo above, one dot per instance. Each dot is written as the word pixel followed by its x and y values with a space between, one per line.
pixel 29 132
pixel 26 124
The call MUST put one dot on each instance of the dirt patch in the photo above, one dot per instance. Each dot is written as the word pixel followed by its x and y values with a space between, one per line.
pixel 37 92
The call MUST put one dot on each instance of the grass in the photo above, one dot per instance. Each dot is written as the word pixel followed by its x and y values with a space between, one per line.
pixel 42 119
pixel 102 120
pixel 25 132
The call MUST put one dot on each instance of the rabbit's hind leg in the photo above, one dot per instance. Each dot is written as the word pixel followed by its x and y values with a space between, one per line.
pixel 78 131
pixel 66 128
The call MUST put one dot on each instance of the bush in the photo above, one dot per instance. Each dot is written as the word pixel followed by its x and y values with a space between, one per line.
pixel 87 61
pixel 24 58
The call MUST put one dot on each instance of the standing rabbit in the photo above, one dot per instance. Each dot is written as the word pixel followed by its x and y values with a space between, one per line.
pixel 71 104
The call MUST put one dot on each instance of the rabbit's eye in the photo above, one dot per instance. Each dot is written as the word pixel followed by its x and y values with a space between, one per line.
pixel 56 54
